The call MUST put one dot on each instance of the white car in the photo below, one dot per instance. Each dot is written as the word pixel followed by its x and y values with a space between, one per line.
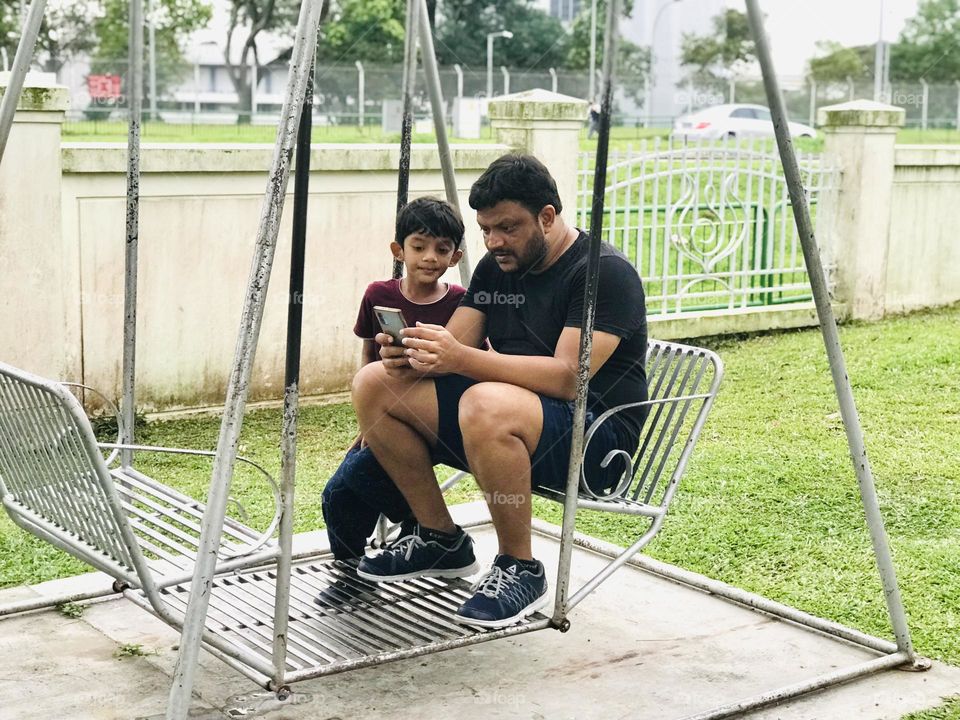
pixel 732 121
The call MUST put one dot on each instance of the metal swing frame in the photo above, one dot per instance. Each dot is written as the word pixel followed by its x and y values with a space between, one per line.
pixel 423 598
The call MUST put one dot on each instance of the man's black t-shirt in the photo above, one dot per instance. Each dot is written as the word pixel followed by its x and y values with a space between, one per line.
pixel 526 314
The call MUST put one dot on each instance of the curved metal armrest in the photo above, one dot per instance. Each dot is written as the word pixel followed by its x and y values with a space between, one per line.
pixel 628 471
pixel 265 536
pixel 111 458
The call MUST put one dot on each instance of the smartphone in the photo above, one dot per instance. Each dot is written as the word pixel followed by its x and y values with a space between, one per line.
pixel 391 320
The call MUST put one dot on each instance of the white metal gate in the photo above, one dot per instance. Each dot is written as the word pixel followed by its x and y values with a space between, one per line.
pixel 708 225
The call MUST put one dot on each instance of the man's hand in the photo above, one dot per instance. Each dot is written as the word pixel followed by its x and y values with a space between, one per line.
pixel 432 349
pixel 394 361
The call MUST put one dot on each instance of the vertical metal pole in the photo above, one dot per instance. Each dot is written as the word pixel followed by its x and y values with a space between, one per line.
pixel 406 127
pixel 506 79
pixel 459 71
pixel 553 79
pixel 489 66
pixel 131 261
pixel 196 87
pixel 291 393
pixel 152 32
pixel 831 338
pixel 361 82
pixel 301 61
pixel 878 62
pixel 432 74
pixel 733 91
pixel 21 63
pixel 924 108
pixel 813 103
pixel 589 312
pixel 592 90
pixel 957 84
pixel 851 88
pixel 254 82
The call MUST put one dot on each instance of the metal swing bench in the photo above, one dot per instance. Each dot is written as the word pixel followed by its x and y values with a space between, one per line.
pixel 56 484
pixel 248 599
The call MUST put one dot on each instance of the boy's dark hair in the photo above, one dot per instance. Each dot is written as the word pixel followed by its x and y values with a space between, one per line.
pixel 430 216
pixel 520 178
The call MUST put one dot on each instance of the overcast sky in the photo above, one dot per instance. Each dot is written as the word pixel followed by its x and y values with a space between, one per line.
pixel 795 26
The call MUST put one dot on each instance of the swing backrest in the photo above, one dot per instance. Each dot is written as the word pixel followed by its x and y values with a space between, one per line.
pixel 53 478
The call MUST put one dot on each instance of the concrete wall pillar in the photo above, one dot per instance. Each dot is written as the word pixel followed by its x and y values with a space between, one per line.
pixel 859 139
pixel 547 125
pixel 39 290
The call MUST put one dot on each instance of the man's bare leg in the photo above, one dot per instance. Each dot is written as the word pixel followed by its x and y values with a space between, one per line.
pixel 501 426
pixel 399 419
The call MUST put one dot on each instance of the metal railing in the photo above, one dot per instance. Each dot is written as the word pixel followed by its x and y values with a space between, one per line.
pixel 708 225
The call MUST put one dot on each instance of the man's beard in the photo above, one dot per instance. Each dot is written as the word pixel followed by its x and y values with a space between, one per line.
pixel 535 252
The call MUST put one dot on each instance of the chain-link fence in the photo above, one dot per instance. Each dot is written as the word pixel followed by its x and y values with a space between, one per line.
pixel 364 95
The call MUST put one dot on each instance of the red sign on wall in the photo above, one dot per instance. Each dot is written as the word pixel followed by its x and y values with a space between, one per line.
pixel 103 87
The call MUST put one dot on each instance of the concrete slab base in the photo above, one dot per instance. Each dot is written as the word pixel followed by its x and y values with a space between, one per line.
pixel 639 647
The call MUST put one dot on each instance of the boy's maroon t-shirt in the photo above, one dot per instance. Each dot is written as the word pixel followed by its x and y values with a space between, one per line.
pixel 387 293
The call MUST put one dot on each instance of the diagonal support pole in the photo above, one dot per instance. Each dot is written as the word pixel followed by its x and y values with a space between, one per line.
pixel 831 339
pixel 301 62
pixel 21 63
pixel 432 73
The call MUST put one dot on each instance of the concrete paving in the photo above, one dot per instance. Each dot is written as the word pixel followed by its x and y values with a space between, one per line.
pixel 640 647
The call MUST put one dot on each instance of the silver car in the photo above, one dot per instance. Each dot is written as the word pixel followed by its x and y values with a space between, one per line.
pixel 732 121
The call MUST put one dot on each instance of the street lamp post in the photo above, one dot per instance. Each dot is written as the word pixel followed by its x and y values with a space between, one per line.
pixel 647 101
pixel 490 38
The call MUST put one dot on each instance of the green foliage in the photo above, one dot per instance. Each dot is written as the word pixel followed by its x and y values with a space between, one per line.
pixel 64 32
pixel 928 47
pixel 539 41
pixel 715 57
pixel 132 650
pixel 633 61
pixel 365 30
pixel 174 21
pixel 835 63
pixel 71 610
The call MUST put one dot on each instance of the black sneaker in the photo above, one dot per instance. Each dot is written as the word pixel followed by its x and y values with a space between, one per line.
pixel 505 595
pixel 418 554
pixel 347 592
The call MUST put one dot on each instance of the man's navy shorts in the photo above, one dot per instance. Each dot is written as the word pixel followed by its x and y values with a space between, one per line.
pixel 552 457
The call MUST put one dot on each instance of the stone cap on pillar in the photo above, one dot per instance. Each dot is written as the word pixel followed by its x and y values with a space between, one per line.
pixel 40 93
pixel 860 114
pixel 538 105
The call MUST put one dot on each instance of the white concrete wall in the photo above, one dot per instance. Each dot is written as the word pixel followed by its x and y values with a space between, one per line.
pixel 923 258
pixel 198 217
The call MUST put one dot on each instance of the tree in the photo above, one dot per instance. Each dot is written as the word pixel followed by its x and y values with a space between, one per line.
pixel 174 21
pixel 539 41
pixel 64 31
pixel 928 48
pixel 720 55
pixel 253 17
pixel 365 30
pixel 834 63
pixel 633 61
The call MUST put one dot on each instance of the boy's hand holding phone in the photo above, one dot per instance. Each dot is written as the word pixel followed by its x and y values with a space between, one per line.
pixel 391 351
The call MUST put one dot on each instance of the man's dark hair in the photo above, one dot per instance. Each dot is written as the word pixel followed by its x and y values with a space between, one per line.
pixel 430 216
pixel 520 178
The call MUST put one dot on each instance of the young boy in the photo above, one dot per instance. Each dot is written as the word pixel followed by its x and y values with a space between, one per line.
pixel 428 237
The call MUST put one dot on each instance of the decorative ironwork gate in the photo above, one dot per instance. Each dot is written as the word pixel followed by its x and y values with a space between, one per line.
pixel 708 225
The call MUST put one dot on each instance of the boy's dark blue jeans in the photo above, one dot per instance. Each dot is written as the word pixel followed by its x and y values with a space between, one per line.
pixel 359 491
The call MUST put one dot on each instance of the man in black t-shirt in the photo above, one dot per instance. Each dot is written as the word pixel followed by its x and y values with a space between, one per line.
pixel 506 416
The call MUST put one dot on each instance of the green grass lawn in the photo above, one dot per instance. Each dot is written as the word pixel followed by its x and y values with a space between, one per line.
pixel 770 501
pixel 159 132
